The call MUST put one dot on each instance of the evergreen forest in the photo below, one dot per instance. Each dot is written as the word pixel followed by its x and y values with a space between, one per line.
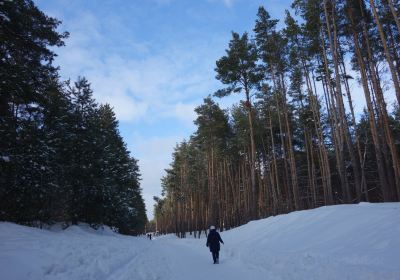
pixel 295 141
pixel 62 158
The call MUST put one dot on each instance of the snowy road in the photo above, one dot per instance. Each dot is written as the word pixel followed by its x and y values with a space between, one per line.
pixel 171 258
pixel 80 253
pixel 336 242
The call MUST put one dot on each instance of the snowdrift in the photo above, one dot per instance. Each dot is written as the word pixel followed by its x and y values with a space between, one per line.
pixel 336 242
pixel 79 252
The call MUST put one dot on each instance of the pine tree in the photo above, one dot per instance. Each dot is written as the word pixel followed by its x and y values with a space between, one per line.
pixel 310 148
pixel 238 70
pixel 212 135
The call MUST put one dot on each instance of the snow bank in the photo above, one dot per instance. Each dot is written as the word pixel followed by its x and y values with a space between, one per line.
pixel 78 252
pixel 337 242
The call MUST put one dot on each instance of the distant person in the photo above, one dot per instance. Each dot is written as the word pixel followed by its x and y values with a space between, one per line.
pixel 213 240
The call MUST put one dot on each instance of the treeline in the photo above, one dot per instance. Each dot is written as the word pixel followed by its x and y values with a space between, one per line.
pixel 295 141
pixel 62 158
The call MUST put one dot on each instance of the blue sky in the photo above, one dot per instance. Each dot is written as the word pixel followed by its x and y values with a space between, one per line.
pixel 153 61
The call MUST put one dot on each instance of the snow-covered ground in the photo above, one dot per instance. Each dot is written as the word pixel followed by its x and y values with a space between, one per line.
pixel 337 242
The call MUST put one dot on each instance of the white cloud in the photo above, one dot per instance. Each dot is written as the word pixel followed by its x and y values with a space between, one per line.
pixel 163 2
pixel 185 112
pixel 146 89
pixel 228 2
pixel 144 83
pixel 154 155
pixel 125 107
pixel 137 88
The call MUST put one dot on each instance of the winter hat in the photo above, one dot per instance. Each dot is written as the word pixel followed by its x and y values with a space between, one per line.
pixel 212 227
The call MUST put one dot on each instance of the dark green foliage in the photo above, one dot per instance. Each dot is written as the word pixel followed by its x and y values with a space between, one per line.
pixel 311 147
pixel 62 158
pixel 212 126
pixel 238 69
pixel 271 44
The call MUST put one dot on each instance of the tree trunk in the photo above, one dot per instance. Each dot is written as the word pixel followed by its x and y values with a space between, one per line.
pixel 361 186
pixel 293 169
pixel 386 51
pixel 337 131
pixel 371 115
pixel 394 13
pixel 252 158
pixel 339 97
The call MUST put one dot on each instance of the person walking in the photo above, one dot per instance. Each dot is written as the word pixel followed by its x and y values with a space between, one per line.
pixel 213 240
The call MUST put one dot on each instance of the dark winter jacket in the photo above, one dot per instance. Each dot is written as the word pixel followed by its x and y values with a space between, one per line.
pixel 213 240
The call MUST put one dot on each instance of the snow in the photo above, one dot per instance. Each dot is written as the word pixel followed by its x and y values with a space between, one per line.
pixel 5 158
pixel 336 242
pixel 4 17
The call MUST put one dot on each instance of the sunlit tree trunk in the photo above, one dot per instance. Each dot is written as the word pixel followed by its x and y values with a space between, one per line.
pixel 371 114
pixel 386 50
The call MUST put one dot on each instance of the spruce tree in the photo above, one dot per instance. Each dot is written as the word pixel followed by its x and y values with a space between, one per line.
pixel 26 71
